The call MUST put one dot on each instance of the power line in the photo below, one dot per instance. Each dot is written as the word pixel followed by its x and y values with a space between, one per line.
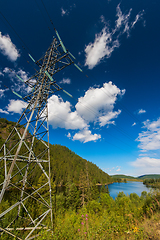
pixel 15 32
pixel 43 16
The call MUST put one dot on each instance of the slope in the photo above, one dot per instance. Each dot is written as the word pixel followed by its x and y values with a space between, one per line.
pixel 65 164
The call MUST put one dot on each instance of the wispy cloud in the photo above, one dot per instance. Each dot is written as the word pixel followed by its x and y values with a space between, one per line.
pixel 133 124
pixel 96 106
pixel 8 48
pixel 16 83
pixel 140 111
pixel 1 74
pixel 2 93
pixel 150 139
pixel 3 111
pixel 147 162
pixel 65 81
pixel 66 11
pixel 149 145
pixel 108 39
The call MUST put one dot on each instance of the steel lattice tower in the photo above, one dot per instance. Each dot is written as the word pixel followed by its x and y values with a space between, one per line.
pixel 25 154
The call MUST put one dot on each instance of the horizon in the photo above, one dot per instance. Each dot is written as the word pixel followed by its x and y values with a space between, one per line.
pixel 113 119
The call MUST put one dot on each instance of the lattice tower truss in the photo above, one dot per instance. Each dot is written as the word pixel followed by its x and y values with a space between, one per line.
pixel 25 173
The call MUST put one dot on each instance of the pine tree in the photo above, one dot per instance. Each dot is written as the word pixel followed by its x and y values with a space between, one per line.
pixel 83 187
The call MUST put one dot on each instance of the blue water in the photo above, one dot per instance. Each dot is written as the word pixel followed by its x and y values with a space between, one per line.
pixel 127 188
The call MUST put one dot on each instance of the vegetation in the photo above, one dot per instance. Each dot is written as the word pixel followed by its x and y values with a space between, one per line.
pixel 126 217
pixel 154 182
pixel 123 176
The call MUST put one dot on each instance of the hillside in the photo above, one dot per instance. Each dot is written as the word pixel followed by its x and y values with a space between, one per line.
pixel 149 176
pixel 65 164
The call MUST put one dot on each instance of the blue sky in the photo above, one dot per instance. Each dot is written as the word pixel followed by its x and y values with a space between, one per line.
pixel 114 118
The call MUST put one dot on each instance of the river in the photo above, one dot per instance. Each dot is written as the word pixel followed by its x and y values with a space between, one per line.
pixel 127 188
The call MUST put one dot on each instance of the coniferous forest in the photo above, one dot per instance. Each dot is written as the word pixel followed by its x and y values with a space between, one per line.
pixel 84 210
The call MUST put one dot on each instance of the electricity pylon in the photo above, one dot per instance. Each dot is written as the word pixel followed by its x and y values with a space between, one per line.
pixel 25 175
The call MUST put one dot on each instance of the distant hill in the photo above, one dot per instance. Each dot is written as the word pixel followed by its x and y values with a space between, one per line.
pixel 65 164
pixel 149 176
pixel 122 176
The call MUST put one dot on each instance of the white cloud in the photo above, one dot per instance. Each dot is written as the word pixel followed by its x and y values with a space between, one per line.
pixel 118 170
pixel 149 142
pixel 67 11
pixel 150 139
pixel 98 103
pixel 96 106
pixel 122 20
pixel 133 124
pixel 147 163
pixel 17 84
pixel 137 18
pixel 8 48
pixel 63 12
pixel 3 111
pixel 2 93
pixel 140 111
pixel 108 39
pixel 16 106
pixel 69 135
pixel 86 136
pixel 106 119
pixel 65 81
pixel 1 74
pixel 60 115
pixel 102 47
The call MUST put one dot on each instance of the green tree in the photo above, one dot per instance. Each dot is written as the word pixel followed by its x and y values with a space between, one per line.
pixel 83 187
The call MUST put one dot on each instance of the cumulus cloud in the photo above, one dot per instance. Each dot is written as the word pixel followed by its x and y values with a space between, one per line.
pixel 96 106
pixel 86 136
pixel 8 48
pixel 65 81
pixel 98 103
pixel 140 111
pixel 108 39
pixel 16 106
pixel 60 114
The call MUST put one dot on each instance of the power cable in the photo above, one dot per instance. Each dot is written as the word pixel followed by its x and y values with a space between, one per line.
pixel 125 109
pixel 43 15
pixel 72 55
pixel 15 32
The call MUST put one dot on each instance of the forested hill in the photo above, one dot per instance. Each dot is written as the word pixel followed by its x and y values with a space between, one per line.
pixel 65 164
